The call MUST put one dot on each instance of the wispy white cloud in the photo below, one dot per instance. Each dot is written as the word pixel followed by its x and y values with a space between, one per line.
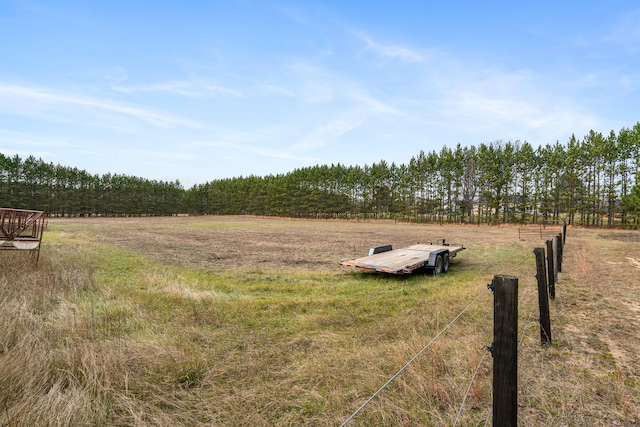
pixel 389 51
pixel 336 104
pixel 185 88
pixel 331 130
pixel 50 147
pixel 276 89
pixel 224 90
pixel 313 83
pixel 318 92
pixel 476 102
pixel 180 88
pixel 161 154
pixel 55 105
pixel 375 106
pixel 294 13
pixel 630 82
pixel 110 75
pixel 525 114
pixel 30 140
pixel 260 151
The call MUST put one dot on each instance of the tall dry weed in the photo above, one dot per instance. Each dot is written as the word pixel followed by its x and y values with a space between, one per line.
pixel 59 365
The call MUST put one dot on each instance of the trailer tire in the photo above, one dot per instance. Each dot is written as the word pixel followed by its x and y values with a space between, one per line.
pixel 445 262
pixel 437 269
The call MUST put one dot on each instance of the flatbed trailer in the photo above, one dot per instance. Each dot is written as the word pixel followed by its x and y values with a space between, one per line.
pixel 385 259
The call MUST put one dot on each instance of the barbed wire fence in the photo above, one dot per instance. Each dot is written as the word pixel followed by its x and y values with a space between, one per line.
pixel 504 413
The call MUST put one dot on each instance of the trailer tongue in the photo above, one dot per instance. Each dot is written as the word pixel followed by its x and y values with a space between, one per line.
pixel 385 259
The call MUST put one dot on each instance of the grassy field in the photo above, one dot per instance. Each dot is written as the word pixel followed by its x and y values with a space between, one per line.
pixel 234 321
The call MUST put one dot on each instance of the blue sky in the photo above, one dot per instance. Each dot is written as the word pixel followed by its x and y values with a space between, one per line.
pixel 203 90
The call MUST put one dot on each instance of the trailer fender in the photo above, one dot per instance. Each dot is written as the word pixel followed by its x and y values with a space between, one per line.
pixel 433 256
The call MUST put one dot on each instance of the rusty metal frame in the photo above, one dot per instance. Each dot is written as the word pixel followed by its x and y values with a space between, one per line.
pixel 540 231
pixel 21 229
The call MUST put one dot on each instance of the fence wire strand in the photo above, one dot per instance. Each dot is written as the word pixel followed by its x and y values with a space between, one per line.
pixel 522 261
pixel 489 412
pixel 473 377
pixel 522 295
pixel 527 325
pixel 373 396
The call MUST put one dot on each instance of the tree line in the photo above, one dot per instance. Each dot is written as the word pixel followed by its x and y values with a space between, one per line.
pixel 65 191
pixel 589 181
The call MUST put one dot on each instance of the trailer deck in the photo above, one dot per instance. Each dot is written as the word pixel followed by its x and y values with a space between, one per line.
pixel 384 259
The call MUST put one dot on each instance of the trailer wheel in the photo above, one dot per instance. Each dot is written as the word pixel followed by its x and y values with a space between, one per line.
pixel 445 262
pixel 437 269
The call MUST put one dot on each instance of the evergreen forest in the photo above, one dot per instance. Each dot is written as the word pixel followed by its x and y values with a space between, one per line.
pixel 591 181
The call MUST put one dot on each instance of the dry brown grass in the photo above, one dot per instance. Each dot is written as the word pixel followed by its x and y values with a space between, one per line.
pixel 250 322
pixel 597 331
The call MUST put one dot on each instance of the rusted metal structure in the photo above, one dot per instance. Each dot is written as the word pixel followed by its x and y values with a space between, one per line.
pixel 385 259
pixel 539 231
pixel 21 229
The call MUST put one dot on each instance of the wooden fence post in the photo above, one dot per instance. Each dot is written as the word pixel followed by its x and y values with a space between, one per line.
pixel 564 233
pixel 559 257
pixel 555 258
pixel 550 270
pixel 505 351
pixel 543 298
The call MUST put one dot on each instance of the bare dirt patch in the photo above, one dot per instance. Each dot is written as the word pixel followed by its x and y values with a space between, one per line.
pixel 259 243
